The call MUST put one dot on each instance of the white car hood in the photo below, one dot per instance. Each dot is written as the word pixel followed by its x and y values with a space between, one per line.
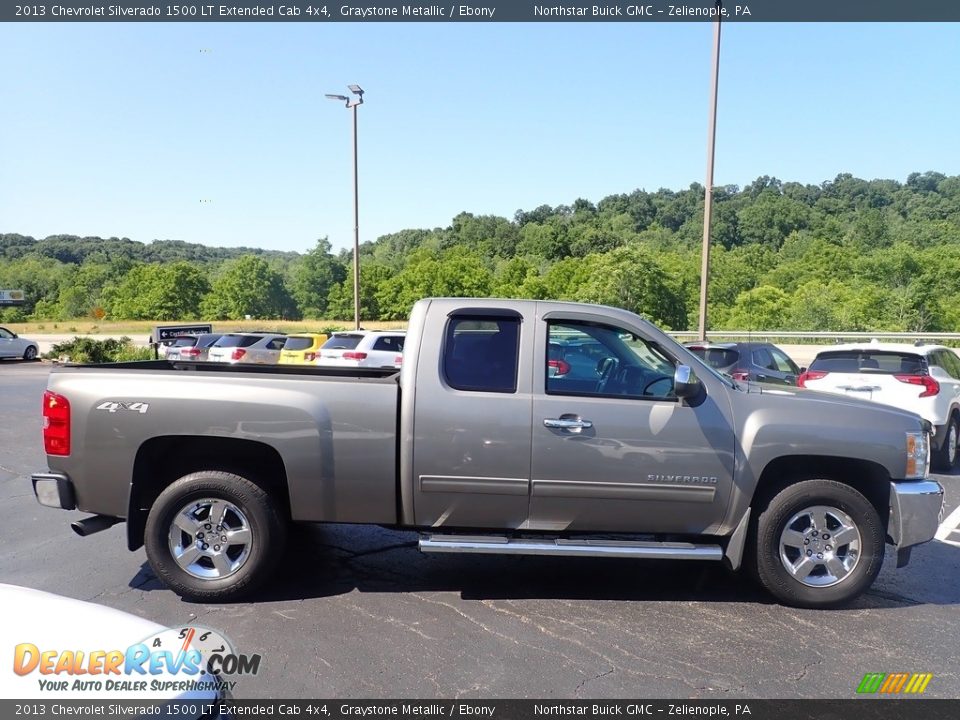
pixel 55 623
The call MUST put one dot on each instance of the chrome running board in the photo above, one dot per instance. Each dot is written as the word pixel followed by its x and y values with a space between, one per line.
pixel 499 545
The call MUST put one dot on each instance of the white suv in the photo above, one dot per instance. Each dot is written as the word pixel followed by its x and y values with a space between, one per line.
pixel 255 348
pixel 363 348
pixel 924 379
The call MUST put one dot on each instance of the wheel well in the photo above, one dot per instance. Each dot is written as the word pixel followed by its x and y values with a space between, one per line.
pixel 162 460
pixel 870 479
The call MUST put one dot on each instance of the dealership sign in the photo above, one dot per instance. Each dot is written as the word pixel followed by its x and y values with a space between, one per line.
pixel 167 332
pixel 12 297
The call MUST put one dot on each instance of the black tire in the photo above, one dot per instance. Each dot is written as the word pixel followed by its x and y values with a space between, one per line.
pixel 771 523
pixel 30 353
pixel 257 511
pixel 941 459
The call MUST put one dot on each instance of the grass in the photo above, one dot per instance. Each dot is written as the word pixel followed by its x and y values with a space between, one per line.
pixel 145 327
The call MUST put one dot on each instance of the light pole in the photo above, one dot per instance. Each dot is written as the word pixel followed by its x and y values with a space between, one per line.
pixel 708 195
pixel 353 104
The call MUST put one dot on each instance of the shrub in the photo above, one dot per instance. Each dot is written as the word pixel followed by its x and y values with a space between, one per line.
pixel 90 350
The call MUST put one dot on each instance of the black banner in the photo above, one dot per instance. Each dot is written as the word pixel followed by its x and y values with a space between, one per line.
pixel 319 11
pixel 875 708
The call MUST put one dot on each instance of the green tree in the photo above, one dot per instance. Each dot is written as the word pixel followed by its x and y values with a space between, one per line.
pixel 762 308
pixel 248 286
pixel 631 278
pixel 313 278
pixel 160 292
pixel 340 299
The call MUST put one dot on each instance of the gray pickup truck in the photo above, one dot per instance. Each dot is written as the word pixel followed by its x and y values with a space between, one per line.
pixel 514 427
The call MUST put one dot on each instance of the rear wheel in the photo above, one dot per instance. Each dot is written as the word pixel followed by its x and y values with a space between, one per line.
pixel 214 536
pixel 945 458
pixel 817 544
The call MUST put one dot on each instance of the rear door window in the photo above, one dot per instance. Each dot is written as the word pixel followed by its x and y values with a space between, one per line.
pixel 482 354
pixel 951 363
pixel 391 343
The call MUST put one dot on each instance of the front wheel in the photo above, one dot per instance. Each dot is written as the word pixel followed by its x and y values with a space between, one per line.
pixel 817 544
pixel 30 353
pixel 214 536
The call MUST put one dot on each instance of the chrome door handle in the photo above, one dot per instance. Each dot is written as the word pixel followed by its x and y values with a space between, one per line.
pixel 567 423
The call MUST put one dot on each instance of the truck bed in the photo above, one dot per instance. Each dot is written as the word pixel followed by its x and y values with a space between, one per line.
pixel 204 366
pixel 328 434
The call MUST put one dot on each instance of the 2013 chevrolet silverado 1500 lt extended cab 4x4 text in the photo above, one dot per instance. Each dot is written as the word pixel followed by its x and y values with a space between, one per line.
pixel 514 427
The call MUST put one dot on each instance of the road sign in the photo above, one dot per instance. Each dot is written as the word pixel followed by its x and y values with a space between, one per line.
pixel 167 332
pixel 12 297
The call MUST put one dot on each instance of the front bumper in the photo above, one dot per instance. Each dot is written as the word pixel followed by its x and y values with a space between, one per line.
pixel 54 489
pixel 916 508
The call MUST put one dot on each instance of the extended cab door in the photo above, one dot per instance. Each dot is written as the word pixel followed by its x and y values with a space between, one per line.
pixel 613 448
pixel 471 416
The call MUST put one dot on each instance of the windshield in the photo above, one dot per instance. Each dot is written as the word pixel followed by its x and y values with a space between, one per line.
pixel 236 341
pixel 342 342
pixel 868 361
pixel 298 342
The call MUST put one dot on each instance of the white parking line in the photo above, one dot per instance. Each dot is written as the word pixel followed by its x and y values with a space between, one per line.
pixel 950 526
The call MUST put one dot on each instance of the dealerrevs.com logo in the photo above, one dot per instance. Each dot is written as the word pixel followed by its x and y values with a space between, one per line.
pixel 180 660
pixel 894 683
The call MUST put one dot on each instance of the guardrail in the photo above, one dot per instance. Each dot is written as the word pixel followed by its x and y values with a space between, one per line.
pixel 811 335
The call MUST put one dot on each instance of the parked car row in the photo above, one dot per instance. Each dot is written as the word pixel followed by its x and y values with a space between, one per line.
pixel 924 379
pixel 355 348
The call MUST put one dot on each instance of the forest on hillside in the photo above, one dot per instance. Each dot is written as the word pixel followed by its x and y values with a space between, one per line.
pixel 848 254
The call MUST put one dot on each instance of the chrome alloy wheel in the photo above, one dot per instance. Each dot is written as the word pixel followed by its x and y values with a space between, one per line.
pixel 952 444
pixel 210 538
pixel 820 546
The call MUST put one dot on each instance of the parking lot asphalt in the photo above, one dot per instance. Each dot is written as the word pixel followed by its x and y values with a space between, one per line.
pixel 358 612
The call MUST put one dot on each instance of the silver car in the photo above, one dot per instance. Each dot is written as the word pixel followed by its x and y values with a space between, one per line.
pixel 13 346
pixel 254 348
pixel 192 347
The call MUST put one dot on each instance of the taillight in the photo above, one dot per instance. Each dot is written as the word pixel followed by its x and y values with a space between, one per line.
pixel 238 354
pixel 930 386
pixel 398 360
pixel 354 356
pixel 810 375
pixel 189 352
pixel 56 424
pixel 559 367
pixel 741 376
pixel 309 357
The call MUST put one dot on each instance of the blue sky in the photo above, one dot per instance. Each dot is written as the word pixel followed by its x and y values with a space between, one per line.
pixel 124 129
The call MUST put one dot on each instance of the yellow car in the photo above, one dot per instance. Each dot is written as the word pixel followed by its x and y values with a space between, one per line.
pixel 302 349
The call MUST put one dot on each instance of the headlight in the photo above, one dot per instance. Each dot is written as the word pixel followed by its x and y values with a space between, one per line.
pixel 918 456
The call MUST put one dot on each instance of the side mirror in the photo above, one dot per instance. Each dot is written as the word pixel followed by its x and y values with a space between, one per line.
pixel 802 370
pixel 685 383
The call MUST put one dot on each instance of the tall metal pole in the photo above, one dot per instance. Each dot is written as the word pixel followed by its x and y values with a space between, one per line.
pixel 708 194
pixel 356 228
